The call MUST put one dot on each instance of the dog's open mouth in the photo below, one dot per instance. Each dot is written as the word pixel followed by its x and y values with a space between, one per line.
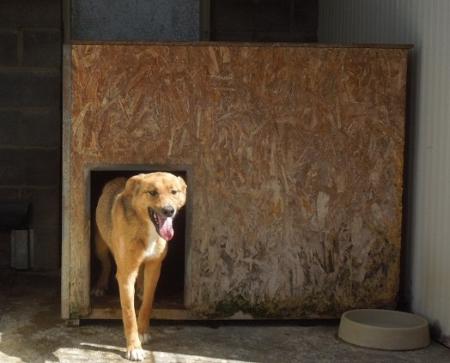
pixel 163 224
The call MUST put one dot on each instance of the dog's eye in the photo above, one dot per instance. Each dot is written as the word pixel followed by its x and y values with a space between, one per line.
pixel 153 193
pixel 174 191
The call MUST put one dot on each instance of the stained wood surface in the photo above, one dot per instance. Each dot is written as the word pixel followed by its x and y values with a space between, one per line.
pixel 296 159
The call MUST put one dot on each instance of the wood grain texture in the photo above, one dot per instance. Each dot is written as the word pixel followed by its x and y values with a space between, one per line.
pixel 297 167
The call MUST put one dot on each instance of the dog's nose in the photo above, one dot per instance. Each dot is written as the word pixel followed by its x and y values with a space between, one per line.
pixel 168 211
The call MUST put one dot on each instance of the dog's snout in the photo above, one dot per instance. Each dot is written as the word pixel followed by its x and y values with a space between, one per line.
pixel 168 211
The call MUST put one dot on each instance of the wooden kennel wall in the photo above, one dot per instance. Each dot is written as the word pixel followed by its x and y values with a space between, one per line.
pixel 295 155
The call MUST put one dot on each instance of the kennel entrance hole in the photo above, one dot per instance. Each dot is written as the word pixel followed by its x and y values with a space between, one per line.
pixel 170 290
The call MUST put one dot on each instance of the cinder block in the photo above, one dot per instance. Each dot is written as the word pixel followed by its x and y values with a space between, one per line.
pixel 30 128
pixel 42 167
pixel 41 89
pixel 156 20
pixel 272 16
pixel 8 48
pixel 272 36
pixel 298 37
pixel 30 13
pixel 10 88
pixel 42 48
pixel 41 129
pixel 47 248
pixel 264 20
pixel 9 194
pixel 12 171
pixel 30 167
pixel 309 37
pixel 10 128
pixel 232 36
pixel 46 206
pixel 306 21
pixel 305 5
pixel 27 88
pixel 232 16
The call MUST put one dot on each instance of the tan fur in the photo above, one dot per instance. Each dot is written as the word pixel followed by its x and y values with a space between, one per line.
pixel 125 229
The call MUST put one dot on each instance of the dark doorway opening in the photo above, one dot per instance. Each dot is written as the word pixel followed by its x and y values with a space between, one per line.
pixel 170 288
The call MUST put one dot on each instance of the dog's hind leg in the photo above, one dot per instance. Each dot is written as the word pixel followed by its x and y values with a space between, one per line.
pixel 140 283
pixel 103 254
pixel 151 276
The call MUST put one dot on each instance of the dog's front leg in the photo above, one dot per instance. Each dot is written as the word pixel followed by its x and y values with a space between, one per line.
pixel 151 276
pixel 126 279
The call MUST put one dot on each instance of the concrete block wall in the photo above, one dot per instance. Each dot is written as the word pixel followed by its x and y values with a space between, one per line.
pixel 30 120
pixel 264 20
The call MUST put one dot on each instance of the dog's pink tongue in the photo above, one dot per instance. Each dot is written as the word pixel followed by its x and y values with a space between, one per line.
pixel 166 229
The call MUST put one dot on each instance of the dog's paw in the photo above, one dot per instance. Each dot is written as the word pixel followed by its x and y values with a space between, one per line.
pixel 135 354
pixel 144 338
pixel 98 291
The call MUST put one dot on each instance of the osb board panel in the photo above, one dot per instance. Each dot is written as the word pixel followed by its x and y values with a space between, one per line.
pixel 297 167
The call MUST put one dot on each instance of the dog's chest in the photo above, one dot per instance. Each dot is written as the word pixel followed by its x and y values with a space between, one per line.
pixel 154 248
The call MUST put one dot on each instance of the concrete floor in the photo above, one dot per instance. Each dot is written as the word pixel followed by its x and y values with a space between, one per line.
pixel 31 331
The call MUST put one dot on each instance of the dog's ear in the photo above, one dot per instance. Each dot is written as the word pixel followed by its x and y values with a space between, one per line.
pixel 132 185
pixel 182 184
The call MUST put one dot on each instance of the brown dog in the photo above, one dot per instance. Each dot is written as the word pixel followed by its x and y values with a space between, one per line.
pixel 134 220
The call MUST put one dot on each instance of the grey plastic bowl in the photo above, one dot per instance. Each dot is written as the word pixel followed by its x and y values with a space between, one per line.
pixel 384 329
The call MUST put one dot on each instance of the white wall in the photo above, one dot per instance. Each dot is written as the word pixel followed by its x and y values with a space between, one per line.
pixel 426 24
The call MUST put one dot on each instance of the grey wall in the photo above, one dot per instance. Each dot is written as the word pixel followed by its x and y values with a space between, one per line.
pixel 150 20
pixel 264 20
pixel 30 104
pixel 426 24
